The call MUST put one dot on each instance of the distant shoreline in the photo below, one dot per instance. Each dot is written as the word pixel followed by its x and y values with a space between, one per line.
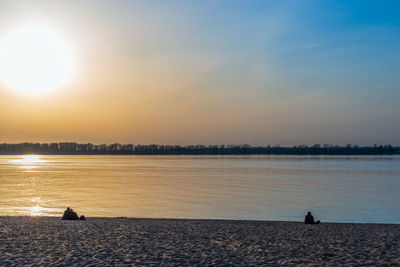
pixel 72 148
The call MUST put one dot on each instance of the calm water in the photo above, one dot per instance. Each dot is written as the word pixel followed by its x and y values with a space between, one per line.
pixel 335 188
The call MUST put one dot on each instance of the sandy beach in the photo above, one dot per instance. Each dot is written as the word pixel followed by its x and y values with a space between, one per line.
pixel 33 241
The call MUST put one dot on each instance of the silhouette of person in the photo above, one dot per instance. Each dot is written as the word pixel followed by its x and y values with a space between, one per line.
pixel 69 214
pixel 310 219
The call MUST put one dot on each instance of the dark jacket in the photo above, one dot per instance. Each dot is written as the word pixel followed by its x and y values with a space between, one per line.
pixel 309 219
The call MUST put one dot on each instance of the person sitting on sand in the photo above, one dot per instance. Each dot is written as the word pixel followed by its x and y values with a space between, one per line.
pixel 67 212
pixel 310 219
pixel 70 214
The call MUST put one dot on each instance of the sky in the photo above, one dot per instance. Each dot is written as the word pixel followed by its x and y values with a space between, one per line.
pixel 213 72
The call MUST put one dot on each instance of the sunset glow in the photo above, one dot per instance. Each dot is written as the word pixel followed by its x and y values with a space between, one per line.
pixel 199 133
pixel 257 73
pixel 34 60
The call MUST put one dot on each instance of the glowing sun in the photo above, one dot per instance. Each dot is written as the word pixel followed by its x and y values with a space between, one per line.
pixel 34 60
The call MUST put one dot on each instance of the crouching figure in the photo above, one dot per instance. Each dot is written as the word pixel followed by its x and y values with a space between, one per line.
pixel 310 219
pixel 70 214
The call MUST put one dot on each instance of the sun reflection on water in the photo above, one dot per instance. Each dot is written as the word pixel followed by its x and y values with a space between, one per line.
pixel 33 200
pixel 28 161
pixel 36 206
pixel 36 210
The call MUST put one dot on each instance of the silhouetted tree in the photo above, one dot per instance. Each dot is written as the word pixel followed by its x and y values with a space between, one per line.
pixel 66 148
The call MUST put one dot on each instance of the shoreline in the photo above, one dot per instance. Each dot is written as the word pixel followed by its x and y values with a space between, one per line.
pixel 142 241
pixel 202 154
pixel 196 219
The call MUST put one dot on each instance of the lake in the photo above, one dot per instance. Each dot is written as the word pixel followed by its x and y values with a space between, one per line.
pixel 334 188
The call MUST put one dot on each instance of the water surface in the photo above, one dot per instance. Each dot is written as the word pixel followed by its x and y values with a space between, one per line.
pixel 335 188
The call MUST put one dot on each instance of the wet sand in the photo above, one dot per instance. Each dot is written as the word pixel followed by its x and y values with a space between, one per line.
pixel 33 241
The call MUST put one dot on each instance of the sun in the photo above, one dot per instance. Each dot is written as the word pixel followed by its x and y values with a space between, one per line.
pixel 35 60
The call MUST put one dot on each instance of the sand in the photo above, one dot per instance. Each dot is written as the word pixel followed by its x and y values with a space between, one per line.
pixel 33 241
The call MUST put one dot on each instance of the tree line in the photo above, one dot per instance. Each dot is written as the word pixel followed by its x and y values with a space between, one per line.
pixel 72 148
